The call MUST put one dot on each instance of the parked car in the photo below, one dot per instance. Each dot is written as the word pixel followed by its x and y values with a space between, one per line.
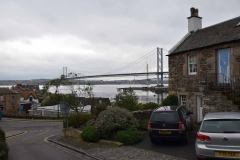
pixel 219 136
pixel 170 123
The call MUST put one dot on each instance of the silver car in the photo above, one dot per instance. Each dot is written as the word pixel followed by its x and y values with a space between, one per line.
pixel 219 136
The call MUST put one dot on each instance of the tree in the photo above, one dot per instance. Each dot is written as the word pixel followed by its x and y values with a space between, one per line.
pixel 127 99
pixel 73 97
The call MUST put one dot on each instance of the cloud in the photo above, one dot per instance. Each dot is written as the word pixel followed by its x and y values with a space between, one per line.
pixel 38 38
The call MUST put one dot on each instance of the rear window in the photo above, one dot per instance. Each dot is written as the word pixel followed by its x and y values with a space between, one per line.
pixel 221 126
pixel 165 116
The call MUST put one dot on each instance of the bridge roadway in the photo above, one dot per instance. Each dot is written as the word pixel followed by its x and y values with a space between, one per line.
pixel 120 75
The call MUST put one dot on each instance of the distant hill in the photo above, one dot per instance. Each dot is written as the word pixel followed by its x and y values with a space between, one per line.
pixel 25 82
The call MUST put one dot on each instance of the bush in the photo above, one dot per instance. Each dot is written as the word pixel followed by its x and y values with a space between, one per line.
pixel 129 136
pixel 171 100
pixel 90 134
pixel 99 108
pixel 3 146
pixel 113 119
pixel 78 120
pixel 2 135
pixel 127 99
pixel 144 124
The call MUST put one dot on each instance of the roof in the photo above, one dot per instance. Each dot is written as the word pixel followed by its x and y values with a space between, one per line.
pixel 222 115
pixel 7 91
pixel 223 32
pixel 27 93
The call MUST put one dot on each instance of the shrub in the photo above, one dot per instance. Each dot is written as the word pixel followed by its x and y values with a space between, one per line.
pixel 129 136
pixel 144 124
pixel 78 120
pixel 171 100
pixel 127 99
pixel 113 119
pixel 2 135
pixel 90 134
pixel 99 108
pixel 3 146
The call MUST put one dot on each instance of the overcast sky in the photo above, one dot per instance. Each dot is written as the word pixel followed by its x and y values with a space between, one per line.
pixel 40 37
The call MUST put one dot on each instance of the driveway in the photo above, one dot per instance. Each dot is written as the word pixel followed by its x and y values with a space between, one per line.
pixel 171 148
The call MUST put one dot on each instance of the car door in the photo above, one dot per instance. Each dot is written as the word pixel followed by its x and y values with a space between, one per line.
pixel 187 117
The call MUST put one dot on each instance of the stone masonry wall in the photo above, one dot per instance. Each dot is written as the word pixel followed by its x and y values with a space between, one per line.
pixel 217 102
pixel 181 83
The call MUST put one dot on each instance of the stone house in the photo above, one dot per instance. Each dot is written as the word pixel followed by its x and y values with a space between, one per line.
pixel 204 67
pixel 9 100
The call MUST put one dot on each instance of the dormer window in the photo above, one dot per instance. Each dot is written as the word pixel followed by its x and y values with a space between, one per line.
pixel 30 99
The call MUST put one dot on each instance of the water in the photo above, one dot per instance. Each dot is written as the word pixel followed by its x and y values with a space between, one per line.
pixel 110 91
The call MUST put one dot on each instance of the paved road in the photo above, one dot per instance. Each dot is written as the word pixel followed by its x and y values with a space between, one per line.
pixel 174 149
pixel 31 145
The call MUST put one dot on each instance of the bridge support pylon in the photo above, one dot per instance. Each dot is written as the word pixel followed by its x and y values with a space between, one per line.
pixel 159 65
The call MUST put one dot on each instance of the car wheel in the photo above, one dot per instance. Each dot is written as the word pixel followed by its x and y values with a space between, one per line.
pixel 186 140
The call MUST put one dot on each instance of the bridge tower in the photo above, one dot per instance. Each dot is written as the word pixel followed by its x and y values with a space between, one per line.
pixel 159 65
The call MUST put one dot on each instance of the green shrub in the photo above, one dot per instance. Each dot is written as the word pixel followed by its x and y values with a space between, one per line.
pixel 144 124
pixel 99 108
pixel 129 136
pixel 90 134
pixel 127 99
pixel 113 119
pixel 3 146
pixel 77 120
pixel 171 100
pixel 2 135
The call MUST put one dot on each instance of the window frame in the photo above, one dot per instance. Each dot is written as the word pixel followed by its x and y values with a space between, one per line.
pixel 190 63
pixel 183 103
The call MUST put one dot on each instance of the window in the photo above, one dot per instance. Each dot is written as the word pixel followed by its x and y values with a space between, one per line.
pixel 183 99
pixel 13 97
pixel 13 106
pixel 1 97
pixel 192 64
pixel 30 99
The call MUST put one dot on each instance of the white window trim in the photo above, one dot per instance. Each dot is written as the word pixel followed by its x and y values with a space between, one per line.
pixel 192 73
pixel 183 99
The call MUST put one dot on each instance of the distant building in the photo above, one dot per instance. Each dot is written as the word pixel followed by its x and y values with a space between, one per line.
pixel 9 100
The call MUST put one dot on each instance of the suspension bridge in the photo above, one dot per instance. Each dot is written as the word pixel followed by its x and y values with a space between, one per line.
pixel 153 62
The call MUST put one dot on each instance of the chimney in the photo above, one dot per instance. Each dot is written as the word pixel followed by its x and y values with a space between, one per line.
pixel 194 22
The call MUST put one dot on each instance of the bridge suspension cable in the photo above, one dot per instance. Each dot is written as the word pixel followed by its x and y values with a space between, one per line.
pixel 135 62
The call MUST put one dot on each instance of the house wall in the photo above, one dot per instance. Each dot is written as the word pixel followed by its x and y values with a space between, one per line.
pixel 7 102
pixel 181 83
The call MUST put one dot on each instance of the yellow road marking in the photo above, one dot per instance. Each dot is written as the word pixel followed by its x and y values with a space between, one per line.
pixel 17 135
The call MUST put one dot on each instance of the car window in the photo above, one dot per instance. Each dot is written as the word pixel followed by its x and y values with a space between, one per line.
pixel 165 116
pixel 221 126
